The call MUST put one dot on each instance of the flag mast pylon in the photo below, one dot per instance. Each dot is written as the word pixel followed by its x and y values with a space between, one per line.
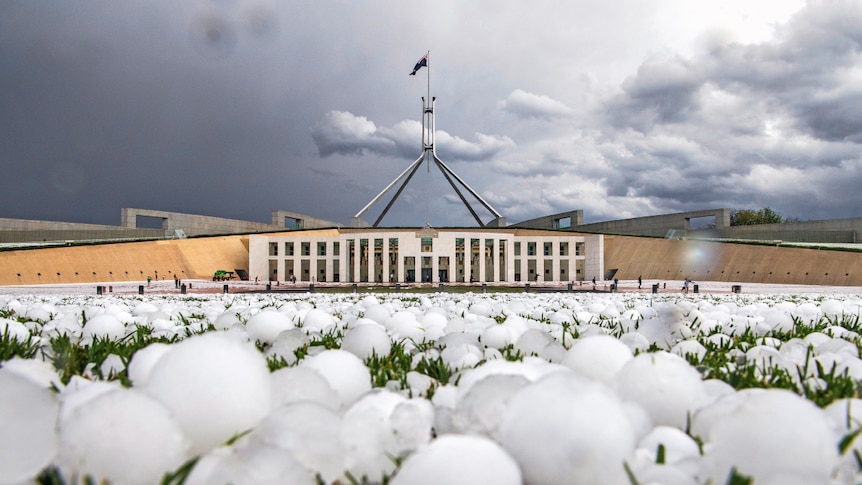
pixel 429 152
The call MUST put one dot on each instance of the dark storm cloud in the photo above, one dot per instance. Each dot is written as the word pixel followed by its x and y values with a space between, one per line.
pixel 743 116
pixel 235 108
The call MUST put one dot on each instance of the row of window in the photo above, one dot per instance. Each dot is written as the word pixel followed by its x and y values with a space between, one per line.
pixel 427 247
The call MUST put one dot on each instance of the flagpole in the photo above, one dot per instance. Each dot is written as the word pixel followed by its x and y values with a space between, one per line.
pixel 428 72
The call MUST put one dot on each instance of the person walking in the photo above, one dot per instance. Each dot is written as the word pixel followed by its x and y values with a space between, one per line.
pixel 640 282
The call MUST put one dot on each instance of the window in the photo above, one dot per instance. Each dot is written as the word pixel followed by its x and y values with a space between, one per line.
pixel 321 249
pixel 289 248
pixel 531 249
pixel 517 248
pixel 548 248
pixel 273 249
pixel 427 244
pixel 306 249
pixel 564 248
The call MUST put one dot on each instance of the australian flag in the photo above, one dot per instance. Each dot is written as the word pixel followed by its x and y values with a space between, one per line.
pixel 422 62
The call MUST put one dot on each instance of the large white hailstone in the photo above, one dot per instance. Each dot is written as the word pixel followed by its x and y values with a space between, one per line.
pixel 28 442
pixel 103 326
pixel 838 346
pixel 296 384
pixel 845 413
pixel 657 332
pixel 39 372
pixel 689 347
pixel 215 386
pixel 226 320
pixel 61 325
pixel 655 474
pixel 143 361
pixel 144 308
pixel 678 446
pixel 635 342
pixel 317 320
pixel 382 425
pixel 14 330
pixel 482 308
pixel 112 366
pixel 498 336
pixel 287 343
pixel 665 385
pixel 309 432
pixel 259 465
pixel 807 313
pixel 365 340
pixel 599 357
pixel 461 356
pixel 345 372
pixel 122 436
pixel 503 367
pixel 567 429
pixel 481 409
pixel 773 434
pixel 377 313
pixel 81 391
pixel 453 339
pixel 265 325
pixel 778 321
pixel 459 459
pixel 39 313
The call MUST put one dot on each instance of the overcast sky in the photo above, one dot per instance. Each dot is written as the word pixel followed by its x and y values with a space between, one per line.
pixel 623 108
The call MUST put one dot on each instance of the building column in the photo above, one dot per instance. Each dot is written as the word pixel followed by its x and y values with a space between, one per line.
pixel 386 270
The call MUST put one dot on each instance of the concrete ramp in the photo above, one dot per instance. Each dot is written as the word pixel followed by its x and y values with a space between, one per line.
pixel 663 259
pixel 134 261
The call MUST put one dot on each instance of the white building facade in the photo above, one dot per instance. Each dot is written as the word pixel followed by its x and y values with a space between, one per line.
pixel 426 255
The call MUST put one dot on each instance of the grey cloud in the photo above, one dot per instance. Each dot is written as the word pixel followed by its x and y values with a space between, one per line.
pixel 347 134
pixel 535 106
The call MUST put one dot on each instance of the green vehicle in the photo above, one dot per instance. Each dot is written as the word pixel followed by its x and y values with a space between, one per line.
pixel 222 275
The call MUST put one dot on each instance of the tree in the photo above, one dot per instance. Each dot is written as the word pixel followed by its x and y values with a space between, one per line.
pixel 750 217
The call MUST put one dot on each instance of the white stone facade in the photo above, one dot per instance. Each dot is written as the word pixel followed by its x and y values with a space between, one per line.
pixel 426 255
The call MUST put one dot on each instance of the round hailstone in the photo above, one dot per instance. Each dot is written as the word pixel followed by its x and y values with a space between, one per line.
pixel 665 385
pixel 28 442
pixel 143 361
pixel 317 320
pixel 103 326
pixel 382 425
pixel 378 313
pixel 286 345
pixel 689 347
pixel 498 336
pixel 533 341
pixel 258 465
pixel 771 435
pixel 459 459
pixel 345 372
pixel 365 340
pixel 599 357
pixel 481 409
pixel 226 320
pixel 215 385
pixel 309 432
pixel 265 325
pixel 39 371
pixel 678 446
pixel 122 436
pixel 656 332
pixel 14 330
pixel 567 429
pixel 296 384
